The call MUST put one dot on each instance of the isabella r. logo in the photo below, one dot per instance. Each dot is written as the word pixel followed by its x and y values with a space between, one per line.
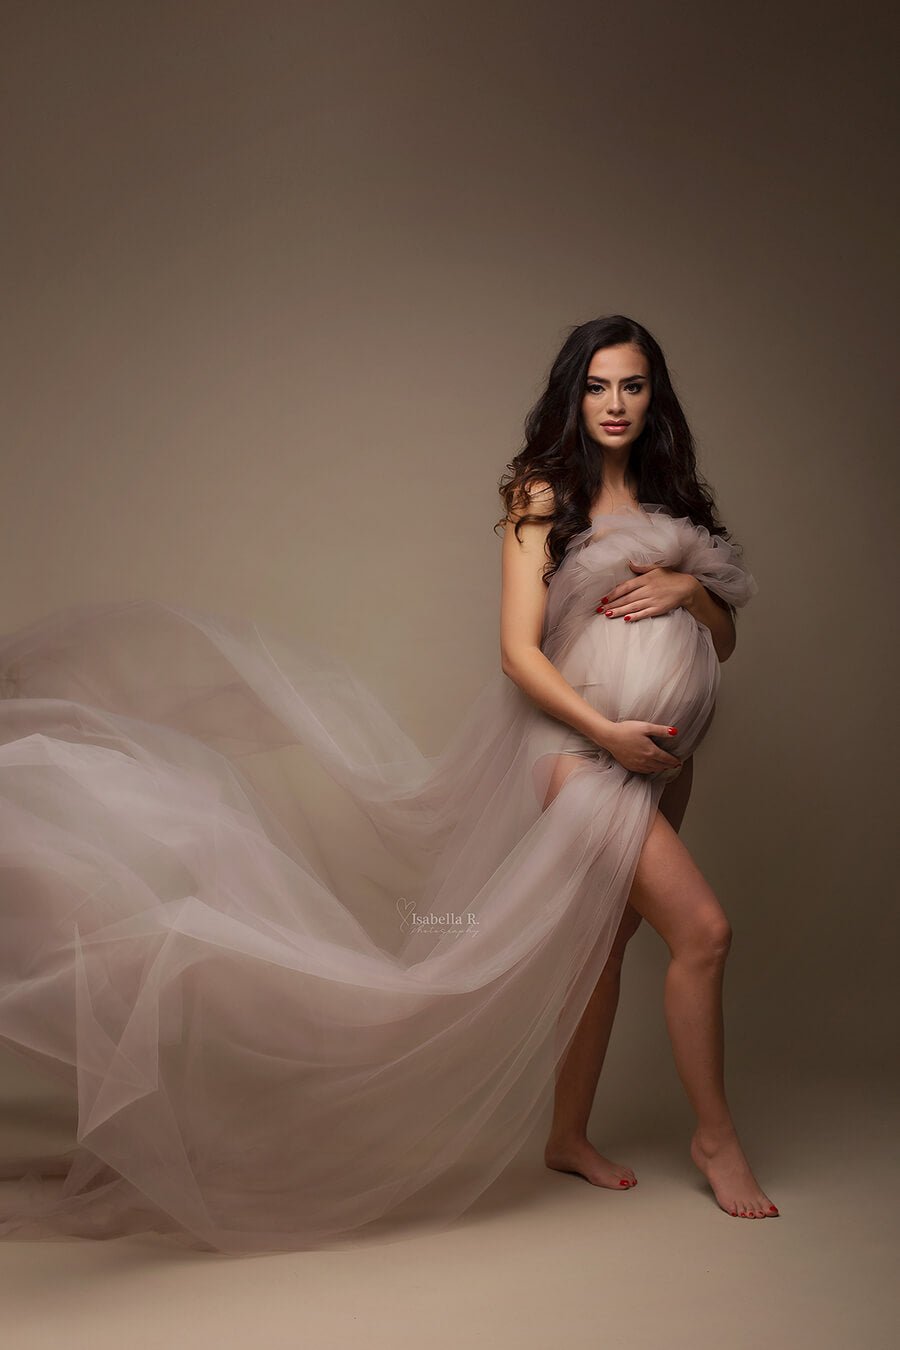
pixel 457 925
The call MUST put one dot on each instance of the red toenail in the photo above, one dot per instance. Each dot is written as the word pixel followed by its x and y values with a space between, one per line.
pixel 623 1183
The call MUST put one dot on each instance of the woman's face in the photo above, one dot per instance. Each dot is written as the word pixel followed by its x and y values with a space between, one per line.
pixel 617 389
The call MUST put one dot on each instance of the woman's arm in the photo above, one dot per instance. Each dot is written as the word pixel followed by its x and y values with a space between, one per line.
pixel 709 610
pixel 657 590
pixel 524 597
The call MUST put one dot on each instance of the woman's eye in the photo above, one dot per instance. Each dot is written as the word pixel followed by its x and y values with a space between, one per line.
pixel 598 388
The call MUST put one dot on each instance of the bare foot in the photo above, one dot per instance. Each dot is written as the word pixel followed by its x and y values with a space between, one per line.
pixel 580 1157
pixel 725 1167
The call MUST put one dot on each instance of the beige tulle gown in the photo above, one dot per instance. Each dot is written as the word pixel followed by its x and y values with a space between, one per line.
pixel 274 1040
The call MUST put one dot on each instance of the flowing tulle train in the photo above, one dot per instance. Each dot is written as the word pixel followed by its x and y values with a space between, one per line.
pixel 279 1035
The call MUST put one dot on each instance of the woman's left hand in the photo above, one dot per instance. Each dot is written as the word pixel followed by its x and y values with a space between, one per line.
pixel 656 590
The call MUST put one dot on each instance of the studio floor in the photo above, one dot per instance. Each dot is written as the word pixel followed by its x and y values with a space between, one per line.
pixel 544 1260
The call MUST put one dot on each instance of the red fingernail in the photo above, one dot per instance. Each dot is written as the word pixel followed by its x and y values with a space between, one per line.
pixel 609 613
pixel 599 609
pixel 673 731
pixel 603 599
pixel 627 618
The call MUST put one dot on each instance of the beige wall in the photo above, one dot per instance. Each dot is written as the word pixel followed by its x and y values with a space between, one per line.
pixel 283 281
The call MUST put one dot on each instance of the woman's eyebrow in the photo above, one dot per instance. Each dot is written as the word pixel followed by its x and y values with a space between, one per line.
pixel 624 377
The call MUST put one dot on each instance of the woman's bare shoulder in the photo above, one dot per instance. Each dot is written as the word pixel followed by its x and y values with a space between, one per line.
pixel 537 499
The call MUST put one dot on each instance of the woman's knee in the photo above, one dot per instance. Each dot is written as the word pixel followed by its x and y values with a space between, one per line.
pixel 707 940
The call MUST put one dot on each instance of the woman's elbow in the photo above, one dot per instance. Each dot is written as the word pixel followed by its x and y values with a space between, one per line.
pixel 507 664
pixel 512 661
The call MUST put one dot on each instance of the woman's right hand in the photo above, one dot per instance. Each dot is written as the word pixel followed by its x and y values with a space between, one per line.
pixel 630 744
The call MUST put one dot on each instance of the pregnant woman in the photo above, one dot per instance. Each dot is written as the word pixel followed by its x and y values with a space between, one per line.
pixel 630 442
pixel 300 983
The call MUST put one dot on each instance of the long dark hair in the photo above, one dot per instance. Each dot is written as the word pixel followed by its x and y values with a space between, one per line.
pixel 662 463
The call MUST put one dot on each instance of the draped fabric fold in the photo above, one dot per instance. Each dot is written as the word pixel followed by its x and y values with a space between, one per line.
pixel 279 1034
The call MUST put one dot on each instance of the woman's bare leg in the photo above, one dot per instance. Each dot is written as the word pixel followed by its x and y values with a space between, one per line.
pixel 568 1148
pixel 672 894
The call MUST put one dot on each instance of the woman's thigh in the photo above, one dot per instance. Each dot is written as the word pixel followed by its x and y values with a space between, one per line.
pixel 647 888
pixel 672 804
pixel 672 894
pixel 676 795
pixel 561 767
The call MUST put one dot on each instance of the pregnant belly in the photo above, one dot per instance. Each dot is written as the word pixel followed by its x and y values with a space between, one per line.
pixel 661 669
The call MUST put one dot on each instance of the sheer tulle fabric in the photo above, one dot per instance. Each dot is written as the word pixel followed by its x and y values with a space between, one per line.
pixel 275 1040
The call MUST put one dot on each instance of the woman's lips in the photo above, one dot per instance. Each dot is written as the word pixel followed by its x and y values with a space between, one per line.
pixel 615 426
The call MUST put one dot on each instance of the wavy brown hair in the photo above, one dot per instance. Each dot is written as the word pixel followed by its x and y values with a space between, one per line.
pixel 662 464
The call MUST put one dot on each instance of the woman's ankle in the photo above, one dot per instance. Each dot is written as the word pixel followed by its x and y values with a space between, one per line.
pixel 567 1136
pixel 712 1135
